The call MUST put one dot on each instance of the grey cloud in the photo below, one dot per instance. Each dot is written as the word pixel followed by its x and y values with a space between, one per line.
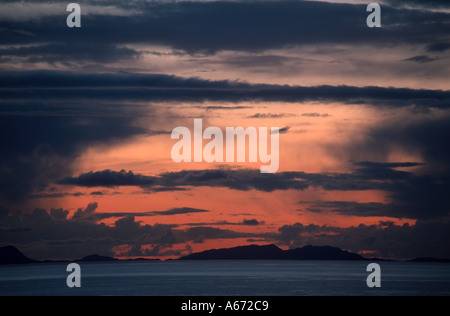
pixel 315 115
pixel 283 130
pixel 271 115
pixel 422 59
pixel 353 208
pixel 69 53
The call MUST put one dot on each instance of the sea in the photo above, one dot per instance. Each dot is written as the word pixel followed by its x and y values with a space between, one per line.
pixel 226 278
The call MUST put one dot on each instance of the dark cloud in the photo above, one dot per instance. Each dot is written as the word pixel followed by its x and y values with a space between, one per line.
pixel 414 196
pixel 18 88
pixel 420 3
pixel 252 222
pixel 245 222
pixel 422 59
pixel 218 107
pixel 89 213
pixel 38 149
pixel 386 240
pixel 426 138
pixel 42 138
pixel 271 116
pixel 180 211
pixel 108 178
pixel 422 194
pixel 283 130
pixel 235 25
pixel 243 180
pixel 353 208
pixel 315 115
pixel 438 47
pixel 55 235
pixel 67 54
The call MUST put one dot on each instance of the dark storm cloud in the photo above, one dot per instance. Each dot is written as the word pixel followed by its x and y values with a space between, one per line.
pixel 421 3
pixel 108 178
pixel 36 149
pixel 41 139
pixel 243 180
pixel 233 25
pixel 422 196
pixel 429 137
pixel 20 87
pixel 386 240
pixel 53 235
pixel 352 208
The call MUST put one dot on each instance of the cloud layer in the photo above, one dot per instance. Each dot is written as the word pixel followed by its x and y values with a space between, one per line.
pixel 415 197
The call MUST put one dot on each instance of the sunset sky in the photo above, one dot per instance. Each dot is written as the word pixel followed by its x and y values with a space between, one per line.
pixel 86 116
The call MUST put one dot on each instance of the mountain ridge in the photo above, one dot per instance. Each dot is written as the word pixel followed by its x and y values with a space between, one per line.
pixel 273 252
pixel 11 255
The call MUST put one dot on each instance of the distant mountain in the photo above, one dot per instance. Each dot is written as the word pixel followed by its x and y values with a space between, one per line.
pixel 272 252
pixel 97 258
pixel 253 252
pixel 12 255
pixel 429 260
pixel 321 253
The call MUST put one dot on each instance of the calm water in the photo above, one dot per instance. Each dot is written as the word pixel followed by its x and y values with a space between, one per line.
pixel 227 278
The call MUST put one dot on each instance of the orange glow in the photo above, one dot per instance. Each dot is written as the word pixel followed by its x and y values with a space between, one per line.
pixel 315 142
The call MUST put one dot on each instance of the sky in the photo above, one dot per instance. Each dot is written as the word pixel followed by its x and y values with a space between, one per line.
pixel 86 116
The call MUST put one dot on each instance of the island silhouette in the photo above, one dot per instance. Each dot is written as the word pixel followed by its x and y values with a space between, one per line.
pixel 273 252
pixel 11 255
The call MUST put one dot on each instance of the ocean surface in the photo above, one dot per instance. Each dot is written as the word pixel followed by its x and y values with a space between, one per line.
pixel 227 278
